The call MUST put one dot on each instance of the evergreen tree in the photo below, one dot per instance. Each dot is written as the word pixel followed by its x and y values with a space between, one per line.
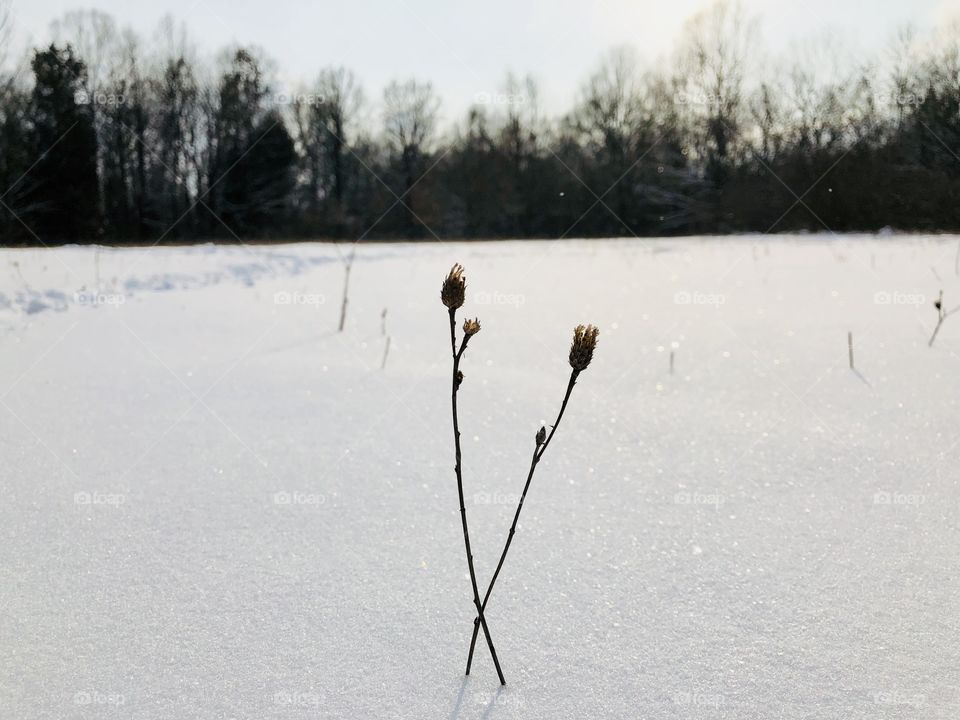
pixel 62 198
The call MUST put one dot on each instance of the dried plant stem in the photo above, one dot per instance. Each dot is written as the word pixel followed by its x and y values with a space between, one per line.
pixel 942 314
pixel 347 267
pixel 457 354
pixel 346 295
pixel 383 332
pixel 537 454
pixel 850 347
pixel 386 351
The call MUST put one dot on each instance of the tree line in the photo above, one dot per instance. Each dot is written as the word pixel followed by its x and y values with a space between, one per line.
pixel 105 140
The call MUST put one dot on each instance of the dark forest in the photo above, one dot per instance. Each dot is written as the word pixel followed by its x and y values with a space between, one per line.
pixel 103 139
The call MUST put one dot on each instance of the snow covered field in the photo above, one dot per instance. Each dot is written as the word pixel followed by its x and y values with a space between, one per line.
pixel 213 505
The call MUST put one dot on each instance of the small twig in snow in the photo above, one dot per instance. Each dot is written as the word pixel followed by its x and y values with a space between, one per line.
pixel 386 351
pixel 348 266
pixel 942 315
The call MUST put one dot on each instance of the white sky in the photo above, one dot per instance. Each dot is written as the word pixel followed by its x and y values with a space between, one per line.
pixel 466 48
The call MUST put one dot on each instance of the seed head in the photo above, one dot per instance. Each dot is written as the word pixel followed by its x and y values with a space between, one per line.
pixel 541 436
pixel 454 287
pixel 471 327
pixel 584 342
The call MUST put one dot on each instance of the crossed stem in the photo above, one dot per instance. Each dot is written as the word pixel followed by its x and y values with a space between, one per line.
pixel 457 354
pixel 537 454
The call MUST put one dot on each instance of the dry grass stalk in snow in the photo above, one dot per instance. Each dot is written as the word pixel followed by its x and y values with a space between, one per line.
pixel 347 267
pixel 941 316
pixel 383 332
pixel 581 354
pixel 452 294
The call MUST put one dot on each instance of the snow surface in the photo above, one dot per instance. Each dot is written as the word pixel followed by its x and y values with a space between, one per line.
pixel 212 505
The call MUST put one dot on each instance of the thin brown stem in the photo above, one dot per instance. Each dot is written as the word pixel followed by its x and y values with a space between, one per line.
pixel 457 354
pixel 346 295
pixel 942 314
pixel 537 454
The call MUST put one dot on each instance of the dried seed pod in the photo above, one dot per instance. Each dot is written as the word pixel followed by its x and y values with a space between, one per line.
pixel 541 436
pixel 584 343
pixel 454 288
pixel 471 327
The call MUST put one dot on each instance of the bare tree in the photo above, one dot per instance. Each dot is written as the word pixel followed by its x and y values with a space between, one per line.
pixel 823 94
pixel 767 114
pixel 611 104
pixel 904 75
pixel 610 120
pixel 6 31
pixel 521 125
pixel 410 120
pixel 93 35
pixel 410 115
pixel 326 116
pixel 176 131
pixel 713 58
pixel 9 76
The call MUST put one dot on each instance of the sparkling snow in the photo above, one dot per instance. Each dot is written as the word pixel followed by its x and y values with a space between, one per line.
pixel 213 505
